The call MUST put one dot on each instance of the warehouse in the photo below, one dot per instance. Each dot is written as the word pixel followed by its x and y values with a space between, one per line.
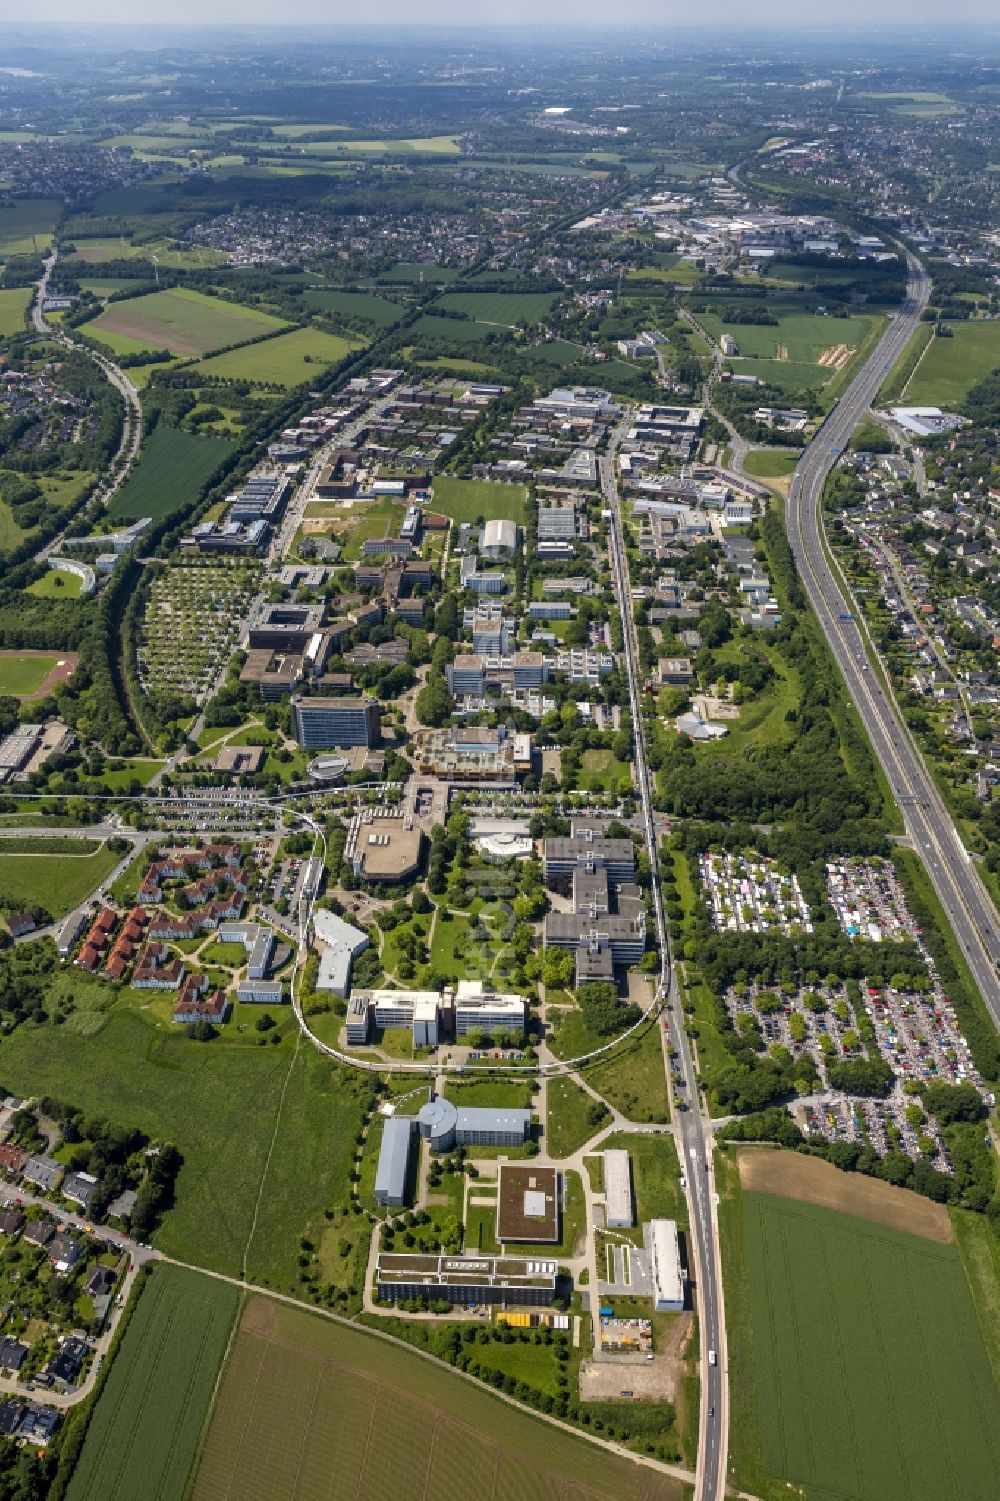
pixel 618 1190
pixel 394 1161
pixel 668 1276
pixel 466 1281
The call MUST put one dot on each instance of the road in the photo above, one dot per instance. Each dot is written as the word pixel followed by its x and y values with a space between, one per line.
pixel 928 823
pixel 692 1135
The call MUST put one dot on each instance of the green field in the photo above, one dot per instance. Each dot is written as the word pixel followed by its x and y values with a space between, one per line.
pixel 767 463
pixel 861 1336
pixel 656 1176
pixel 13 306
pixel 951 367
pixel 58 583
pixel 169 1087
pixel 504 308
pixel 798 337
pixel 573 1117
pixel 288 360
pixel 601 771
pixel 411 273
pixel 789 375
pixel 22 676
pixel 183 321
pixel 144 1431
pixel 633 1080
pixel 452 330
pixel 315 1409
pixel 465 499
pixel 97 252
pixel 173 466
pixel 55 882
pixel 377 310
pixel 26 218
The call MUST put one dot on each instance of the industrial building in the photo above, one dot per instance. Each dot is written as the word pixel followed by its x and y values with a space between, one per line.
pixel 394 1161
pixel 319 723
pixel 668 1274
pixel 466 1281
pixel 497 538
pixel 618 1212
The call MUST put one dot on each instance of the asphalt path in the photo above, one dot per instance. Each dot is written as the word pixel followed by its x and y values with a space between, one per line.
pixel 929 825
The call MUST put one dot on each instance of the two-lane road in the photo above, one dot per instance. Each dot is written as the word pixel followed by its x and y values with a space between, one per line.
pixel 953 873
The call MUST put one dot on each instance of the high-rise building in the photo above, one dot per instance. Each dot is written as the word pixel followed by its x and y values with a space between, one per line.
pixel 320 723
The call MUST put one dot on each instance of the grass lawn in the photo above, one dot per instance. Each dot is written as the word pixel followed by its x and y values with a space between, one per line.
pixel 656 1176
pixel 172 471
pixel 503 308
pixel 149 1415
pixel 681 273
pixel 27 224
pixel 14 304
pixel 846 1336
pixel 55 882
pixel 172 1088
pixel 572 1118
pixel 601 771
pixel 560 352
pixel 499 1094
pixel 633 1080
pixel 178 319
pixel 288 360
pixel 58 583
pixel 23 675
pixel 767 463
pixel 951 367
pixel 465 499
pixel 139 770
pixel 299 1394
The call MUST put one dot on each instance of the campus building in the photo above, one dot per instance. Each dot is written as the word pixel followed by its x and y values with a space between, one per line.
pixel 319 723
pixel 394 1161
pixel 668 1274
pixel 444 1125
pixel 618 1213
pixel 505 1281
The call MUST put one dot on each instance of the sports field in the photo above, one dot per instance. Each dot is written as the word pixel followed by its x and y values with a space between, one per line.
pixel 14 303
pixel 872 1378
pixel 185 322
pixel 55 882
pixel 315 1410
pixel 465 499
pixel 288 360
pixel 951 367
pixel 144 1432
pixel 173 466
pixel 504 308
pixel 23 673
pixel 27 223
pixel 377 310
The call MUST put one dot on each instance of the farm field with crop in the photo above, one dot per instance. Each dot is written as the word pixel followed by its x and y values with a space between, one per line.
pixel 56 882
pixel 171 471
pixel 454 330
pixel 149 1415
pixel 465 499
pixel 505 308
pixel 377 310
pixel 14 304
pixel 303 1399
pixel 27 223
pixel 288 360
pixel 178 319
pixel 857 1333
pixel 952 366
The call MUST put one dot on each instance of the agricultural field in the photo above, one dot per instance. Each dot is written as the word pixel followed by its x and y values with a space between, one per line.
pixel 856 1334
pixel 304 1399
pixel 453 330
pixel 377 310
pixel 192 623
pixel 185 322
pixel 149 1415
pixel 56 883
pixel 500 308
pixel 27 224
pixel 98 251
pixel 14 305
pixel 288 360
pixel 799 338
pixel 952 366
pixel 172 469
pixel 790 376
pixel 465 499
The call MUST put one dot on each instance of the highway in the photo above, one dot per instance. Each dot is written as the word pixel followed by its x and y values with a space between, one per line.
pixel 929 825
pixel 692 1136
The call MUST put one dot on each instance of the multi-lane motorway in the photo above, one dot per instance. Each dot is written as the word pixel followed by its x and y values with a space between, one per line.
pixel 692 1133
pixel 929 825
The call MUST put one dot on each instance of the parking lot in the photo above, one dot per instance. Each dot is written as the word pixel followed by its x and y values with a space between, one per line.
pixel 747 893
pixel 869 901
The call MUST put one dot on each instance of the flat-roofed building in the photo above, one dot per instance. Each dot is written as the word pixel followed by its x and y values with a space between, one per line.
pixel 444 1125
pixel 384 849
pixel 668 1275
pixel 528 1203
pixel 588 851
pixel 624 936
pixel 344 943
pixel 590 892
pixel 319 723
pixel 505 1281
pixel 394 1161
pixel 479 1008
pixel 618 1212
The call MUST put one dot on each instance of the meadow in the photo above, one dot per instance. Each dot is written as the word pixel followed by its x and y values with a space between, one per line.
pixel 862 1335
pixel 952 366
pixel 99 251
pixel 465 499
pixel 144 1431
pixel 151 1075
pixel 797 337
pixel 790 376
pixel 288 360
pixel 504 308
pixel 571 1117
pixel 27 223
pixel 306 1403
pixel 601 771
pixel 178 319
pixel 56 882
pixel 766 463
pixel 377 310
pixel 633 1080
pixel 173 467
pixel 453 330
pixel 14 303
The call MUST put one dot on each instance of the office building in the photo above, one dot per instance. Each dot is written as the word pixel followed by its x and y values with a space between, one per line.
pixel 588 851
pixel 394 1161
pixel 504 1281
pixel 319 723
pixel 444 1125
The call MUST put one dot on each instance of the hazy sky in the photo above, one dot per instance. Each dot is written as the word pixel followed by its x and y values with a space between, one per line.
pixel 464 13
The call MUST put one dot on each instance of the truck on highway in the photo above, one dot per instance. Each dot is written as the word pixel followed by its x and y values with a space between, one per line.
pixel 713 1359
